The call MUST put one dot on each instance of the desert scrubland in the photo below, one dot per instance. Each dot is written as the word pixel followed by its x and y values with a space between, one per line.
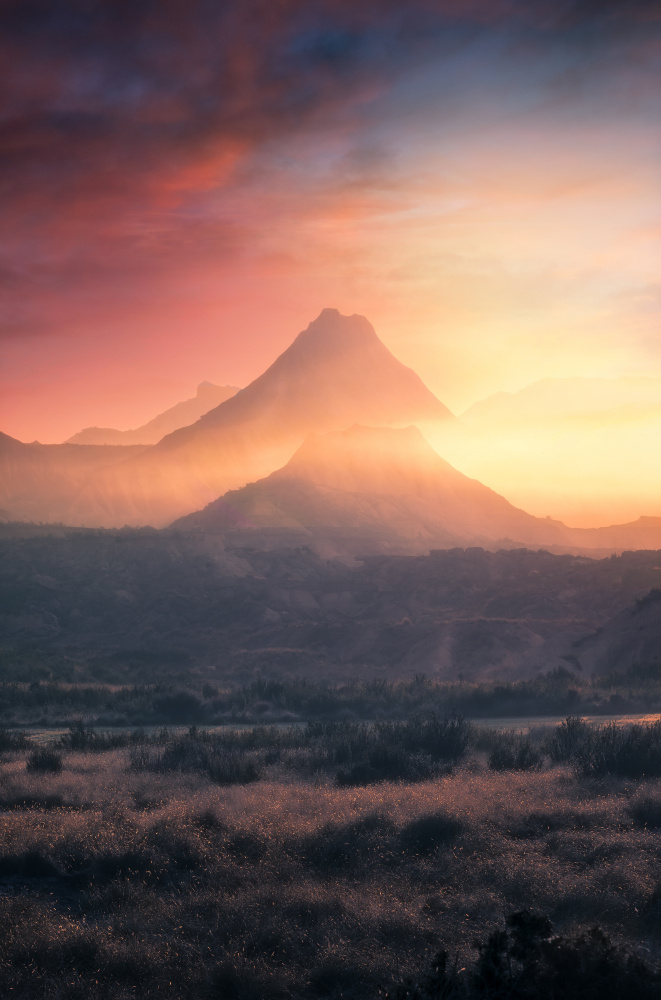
pixel 333 860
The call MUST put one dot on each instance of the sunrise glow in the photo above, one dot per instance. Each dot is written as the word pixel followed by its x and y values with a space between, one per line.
pixel 480 181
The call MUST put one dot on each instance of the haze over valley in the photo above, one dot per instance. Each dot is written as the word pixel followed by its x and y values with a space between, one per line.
pixel 335 378
pixel 281 513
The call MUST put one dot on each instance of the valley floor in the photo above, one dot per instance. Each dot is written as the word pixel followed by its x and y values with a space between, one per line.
pixel 137 871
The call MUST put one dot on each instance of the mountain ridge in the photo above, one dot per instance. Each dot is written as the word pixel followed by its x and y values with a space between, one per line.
pixel 383 487
pixel 335 373
pixel 366 489
pixel 206 398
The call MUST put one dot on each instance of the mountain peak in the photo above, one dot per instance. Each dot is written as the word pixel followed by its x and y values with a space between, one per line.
pixel 332 334
pixel 336 373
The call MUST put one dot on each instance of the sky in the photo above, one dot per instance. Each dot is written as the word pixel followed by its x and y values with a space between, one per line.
pixel 185 184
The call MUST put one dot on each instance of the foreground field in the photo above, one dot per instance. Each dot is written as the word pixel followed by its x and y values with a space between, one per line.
pixel 122 874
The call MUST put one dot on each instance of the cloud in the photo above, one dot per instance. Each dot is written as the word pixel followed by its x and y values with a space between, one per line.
pixel 152 147
pixel 109 102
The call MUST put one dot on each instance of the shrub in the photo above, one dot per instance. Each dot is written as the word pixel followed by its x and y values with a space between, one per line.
pixel 568 739
pixel 652 910
pixel 646 812
pixel 631 752
pixel 514 755
pixel 229 983
pixel 232 769
pixel 44 761
pixel 19 801
pixel 525 961
pixel 445 739
pixel 85 738
pixel 367 841
pixel 428 833
pixel 53 957
pixel 30 864
pixel 439 983
pixel 338 979
pixel 179 707
pixel 199 752
pixel 393 751
pixel 384 763
pixel 12 741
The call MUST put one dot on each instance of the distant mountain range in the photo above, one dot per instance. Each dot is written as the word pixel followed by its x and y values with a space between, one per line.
pixel 322 448
pixel 367 490
pixel 206 398
pixel 335 373
pixel 581 449
pixel 594 400
pixel 39 482
pixel 370 488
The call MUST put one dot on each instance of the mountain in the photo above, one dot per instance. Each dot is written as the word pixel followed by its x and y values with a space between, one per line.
pixel 595 400
pixel 382 489
pixel 369 489
pixel 579 449
pixel 336 373
pixel 632 638
pixel 207 397
pixel 645 533
pixel 39 481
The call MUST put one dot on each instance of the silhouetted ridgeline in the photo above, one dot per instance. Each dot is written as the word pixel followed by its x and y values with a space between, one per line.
pixel 143 605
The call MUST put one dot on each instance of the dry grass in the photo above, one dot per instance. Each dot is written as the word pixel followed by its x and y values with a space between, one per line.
pixel 166 884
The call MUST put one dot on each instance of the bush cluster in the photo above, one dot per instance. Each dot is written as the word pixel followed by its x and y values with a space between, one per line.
pixel 622 751
pixel 87 739
pixel 44 761
pixel 526 961
pixel 182 703
pixel 199 752
pixel 12 740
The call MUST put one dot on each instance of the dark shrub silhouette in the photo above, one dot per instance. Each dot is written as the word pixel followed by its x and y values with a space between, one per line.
pixel 87 740
pixel 568 740
pixel 440 982
pixel 58 957
pixel 428 833
pixel 179 707
pixel 627 752
pixel 30 864
pixel 199 752
pixel 368 841
pixel 515 755
pixel 44 761
pixel 12 741
pixel 525 961
pixel 646 812
pixel 32 802
pixel 385 764
pixel 338 980
pixel 229 983
pixel 394 751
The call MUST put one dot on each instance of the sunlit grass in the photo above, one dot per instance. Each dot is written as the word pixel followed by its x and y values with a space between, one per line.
pixel 140 879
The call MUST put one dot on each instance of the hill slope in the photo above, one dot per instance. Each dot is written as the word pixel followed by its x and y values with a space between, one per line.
pixel 373 488
pixel 381 489
pixel 39 481
pixel 207 397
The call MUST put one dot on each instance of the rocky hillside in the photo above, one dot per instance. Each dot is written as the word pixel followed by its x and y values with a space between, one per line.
pixel 129 603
